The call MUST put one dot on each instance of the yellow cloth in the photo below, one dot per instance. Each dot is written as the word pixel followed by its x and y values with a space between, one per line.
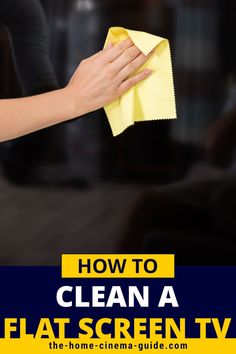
pixel 152 98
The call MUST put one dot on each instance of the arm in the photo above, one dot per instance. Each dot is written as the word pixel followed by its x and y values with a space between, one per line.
pixel 25 115
pixel 98 81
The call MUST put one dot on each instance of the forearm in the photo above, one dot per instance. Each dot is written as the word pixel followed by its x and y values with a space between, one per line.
pixel 98 80
pixel 24 115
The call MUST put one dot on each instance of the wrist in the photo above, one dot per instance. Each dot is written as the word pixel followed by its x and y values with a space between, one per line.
pixel 75 104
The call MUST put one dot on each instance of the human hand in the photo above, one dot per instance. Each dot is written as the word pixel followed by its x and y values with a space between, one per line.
pixel 106 75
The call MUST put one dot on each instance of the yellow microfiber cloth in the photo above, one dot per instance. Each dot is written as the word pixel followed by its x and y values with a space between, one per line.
pixel 151 99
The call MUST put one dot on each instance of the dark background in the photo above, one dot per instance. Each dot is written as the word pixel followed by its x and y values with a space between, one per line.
pixel 75 188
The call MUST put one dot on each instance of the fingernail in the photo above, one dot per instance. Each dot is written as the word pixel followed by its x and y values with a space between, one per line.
pixel 148 71
pixel 109 45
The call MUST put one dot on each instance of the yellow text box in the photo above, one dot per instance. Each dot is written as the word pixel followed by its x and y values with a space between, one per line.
pixel 118 266
pixel 191 346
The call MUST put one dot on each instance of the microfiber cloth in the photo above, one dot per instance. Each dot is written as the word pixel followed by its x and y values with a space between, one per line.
pixel 154 97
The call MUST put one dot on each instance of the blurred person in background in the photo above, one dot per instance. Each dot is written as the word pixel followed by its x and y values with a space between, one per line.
pixel 195 217
pixel 26 25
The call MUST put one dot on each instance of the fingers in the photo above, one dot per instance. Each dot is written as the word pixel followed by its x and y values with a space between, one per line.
pixel 132 81
pixel 102 53
pixel 133 65
pixel 117 50
pixel 125 58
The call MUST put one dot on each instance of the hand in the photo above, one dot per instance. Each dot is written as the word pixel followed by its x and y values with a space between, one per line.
pixel 105 76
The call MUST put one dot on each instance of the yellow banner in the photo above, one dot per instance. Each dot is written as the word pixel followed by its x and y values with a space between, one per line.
pixel 118 266
pixel 188 346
